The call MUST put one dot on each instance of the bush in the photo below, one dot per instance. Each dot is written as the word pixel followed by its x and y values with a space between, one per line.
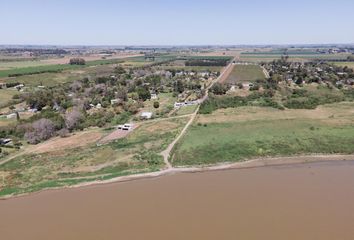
pixel 156 104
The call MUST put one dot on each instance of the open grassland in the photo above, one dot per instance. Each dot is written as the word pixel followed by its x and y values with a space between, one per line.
pixel 6 95
pixel 186 110
pixel 48 168
pixel 239 134
pixel 245 73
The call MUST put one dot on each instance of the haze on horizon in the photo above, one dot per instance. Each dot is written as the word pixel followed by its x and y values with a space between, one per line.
pixel 158 22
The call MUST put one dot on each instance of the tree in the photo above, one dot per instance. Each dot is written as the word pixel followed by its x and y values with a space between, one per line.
pixel 119 70
pixel 143 93
pixel 72 119
pixel 40 130
pixel 77 61
pixel 179 87
pixel 156 104
pixel 218 89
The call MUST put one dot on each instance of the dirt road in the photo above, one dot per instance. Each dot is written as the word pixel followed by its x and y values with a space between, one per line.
pixel 223 75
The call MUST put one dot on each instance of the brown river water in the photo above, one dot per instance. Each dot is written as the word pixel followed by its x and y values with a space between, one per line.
pixel 303 201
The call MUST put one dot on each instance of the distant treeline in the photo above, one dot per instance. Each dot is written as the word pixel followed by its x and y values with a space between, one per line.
pixel 36 51
pixel 207 62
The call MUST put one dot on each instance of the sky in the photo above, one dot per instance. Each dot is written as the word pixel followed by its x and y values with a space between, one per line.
pixel 178 22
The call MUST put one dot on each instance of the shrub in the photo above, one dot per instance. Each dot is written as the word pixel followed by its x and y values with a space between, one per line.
pixel 156 104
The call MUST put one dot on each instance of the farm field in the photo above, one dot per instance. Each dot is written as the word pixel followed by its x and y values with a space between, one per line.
pixel 243 133
pixel 343 64
pixel 267 57
pixel 56 67
pixel 191 68
pixel 42 166
pixel 245 73
pixel 25 63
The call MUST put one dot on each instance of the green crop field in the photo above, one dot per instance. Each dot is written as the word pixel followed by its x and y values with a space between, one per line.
pixel 245 73
pixel 231 135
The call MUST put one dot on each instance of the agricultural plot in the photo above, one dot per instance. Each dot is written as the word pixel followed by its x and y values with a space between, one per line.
pixel 245 73
pixel 345 64
pixel 137 153
pixel 231 135
pixel 268 57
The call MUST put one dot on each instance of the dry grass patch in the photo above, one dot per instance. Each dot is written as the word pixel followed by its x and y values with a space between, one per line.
pixel 79 139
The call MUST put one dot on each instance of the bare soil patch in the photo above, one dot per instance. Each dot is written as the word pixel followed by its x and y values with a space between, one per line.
pixel 79 139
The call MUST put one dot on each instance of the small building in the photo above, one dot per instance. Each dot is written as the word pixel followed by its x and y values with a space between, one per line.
pixel 10 116
pixel 154 96
pixel 19 86
pixel 33 110
pixel 178 104
pixel 146 115
pixel 115 101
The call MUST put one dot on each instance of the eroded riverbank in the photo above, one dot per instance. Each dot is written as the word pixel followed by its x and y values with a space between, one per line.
pixel 297 201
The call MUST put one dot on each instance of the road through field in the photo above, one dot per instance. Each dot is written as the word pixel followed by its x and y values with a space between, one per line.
pixel 223 75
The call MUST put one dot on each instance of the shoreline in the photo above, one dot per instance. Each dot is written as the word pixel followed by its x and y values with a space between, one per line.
pixel 251 163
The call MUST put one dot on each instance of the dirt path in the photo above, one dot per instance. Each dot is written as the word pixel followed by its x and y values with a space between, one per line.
pixel 167 152
pixel 266 74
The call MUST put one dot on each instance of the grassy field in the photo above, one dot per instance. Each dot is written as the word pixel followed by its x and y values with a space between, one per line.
pixel 166 101
pixel 137 153
pixel 186 110
pixel 231 135
pixel 245 73
pixel 6 95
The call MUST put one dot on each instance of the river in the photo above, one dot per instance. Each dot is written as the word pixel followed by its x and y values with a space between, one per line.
pixel 300 201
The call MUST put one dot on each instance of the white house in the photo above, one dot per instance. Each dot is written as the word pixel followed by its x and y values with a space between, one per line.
pixel 154 96
pixel 146 115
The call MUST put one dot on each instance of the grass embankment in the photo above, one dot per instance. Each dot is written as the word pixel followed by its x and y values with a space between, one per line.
pixel 138 153
pixel 245 73
pixel 230 135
